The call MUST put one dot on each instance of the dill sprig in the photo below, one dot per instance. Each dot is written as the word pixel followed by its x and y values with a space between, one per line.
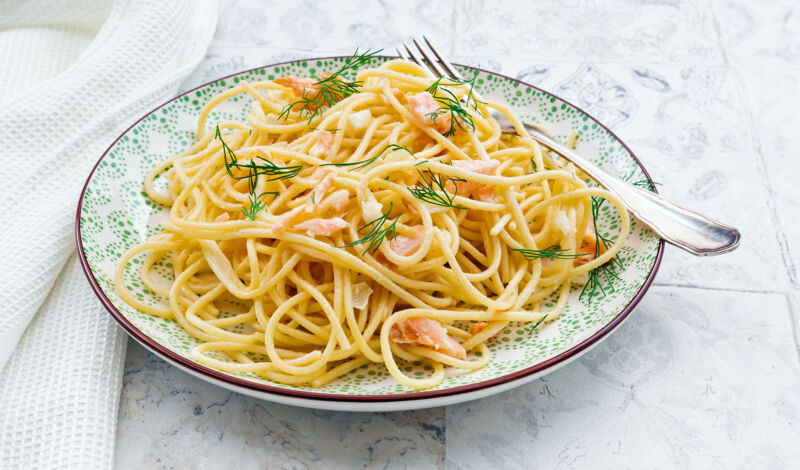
pixel 426 191
pixel 541 320
pixel 602 278
pixel 646 184
pixel 643 183
pixel 606 273
pixel 459 116
pixel 551 252
pixel 227 153
pixel 266 167
pixel 256 205
pixel 533 166
pixel 332 89
pixel 254 170
pixel 369 161
pixel 469 100
pixel 377 233
pixel 449 103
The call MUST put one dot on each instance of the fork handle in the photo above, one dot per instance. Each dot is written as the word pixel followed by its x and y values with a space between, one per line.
pixel 684 228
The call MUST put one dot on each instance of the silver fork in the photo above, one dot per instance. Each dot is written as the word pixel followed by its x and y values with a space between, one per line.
pixel 684 228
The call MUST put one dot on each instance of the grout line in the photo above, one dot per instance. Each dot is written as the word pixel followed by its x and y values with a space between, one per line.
pixel 718 30
pixel 719 289
pixel 795 321
pixel 761 166
pixel 761 163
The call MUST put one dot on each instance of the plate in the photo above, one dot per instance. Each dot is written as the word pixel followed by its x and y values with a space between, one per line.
pixel 114 214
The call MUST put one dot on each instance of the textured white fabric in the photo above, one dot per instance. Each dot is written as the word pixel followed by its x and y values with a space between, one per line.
pixel 64 97
pixel 60 388
pixel 41 39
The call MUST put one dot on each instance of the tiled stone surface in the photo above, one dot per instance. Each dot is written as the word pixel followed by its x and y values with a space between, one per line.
pixel 589 30
pixel 704 375
pixel 692 386
pixel 763 32
pixel 169 419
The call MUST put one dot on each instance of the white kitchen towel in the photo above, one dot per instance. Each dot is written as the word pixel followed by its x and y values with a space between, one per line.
pixel 64 97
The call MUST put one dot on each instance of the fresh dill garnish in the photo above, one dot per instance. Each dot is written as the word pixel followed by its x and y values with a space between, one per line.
pixel 256 205
pixel 369 161
pixel 471 92
pixel 643 183
pixel 533 166
pixel 551 252
pixel 434 88
pixel 459 116
pixel 602 277
pixel 265 167
pixel 606 273
pixel 227 153
pixel 469 100
pixel 450 104
pixel 541 320
pixel 377 233
pixel 427 190
pixel 254 170
pixel 331 89
pixel 646 184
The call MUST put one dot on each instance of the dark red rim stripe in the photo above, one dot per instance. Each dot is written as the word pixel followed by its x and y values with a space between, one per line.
pixel 238 382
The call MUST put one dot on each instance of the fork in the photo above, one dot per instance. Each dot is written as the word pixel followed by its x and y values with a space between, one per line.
pixel 696 233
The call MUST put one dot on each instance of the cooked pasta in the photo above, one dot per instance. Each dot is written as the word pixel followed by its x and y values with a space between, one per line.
pixel 382 219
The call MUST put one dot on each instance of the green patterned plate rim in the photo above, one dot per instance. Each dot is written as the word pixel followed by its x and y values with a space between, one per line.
pixel 113 214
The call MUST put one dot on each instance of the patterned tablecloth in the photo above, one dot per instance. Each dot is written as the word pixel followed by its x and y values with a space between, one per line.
pixel 705 374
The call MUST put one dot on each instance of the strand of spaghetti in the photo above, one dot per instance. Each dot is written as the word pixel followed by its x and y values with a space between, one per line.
pixel 119 282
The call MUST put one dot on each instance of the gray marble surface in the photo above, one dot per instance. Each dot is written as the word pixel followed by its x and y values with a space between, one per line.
pixel 705 374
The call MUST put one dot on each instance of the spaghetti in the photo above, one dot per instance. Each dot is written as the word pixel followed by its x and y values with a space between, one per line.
pixel 392 222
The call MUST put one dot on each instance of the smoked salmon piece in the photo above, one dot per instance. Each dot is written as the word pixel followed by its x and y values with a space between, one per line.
pixel 316 194
pixel 424 107
pixel 485 192
pixel 409 207
pixel 285 219
pixel 300 86
pixel 484 167
pixel 477 327
pixel 401 97
pixel 589 247
pixel 426 333
pixel 322 227
pixel 339 199
pixel 405 245
pixel 323 144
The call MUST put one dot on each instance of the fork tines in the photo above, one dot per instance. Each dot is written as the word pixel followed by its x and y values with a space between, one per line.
pixel 429 59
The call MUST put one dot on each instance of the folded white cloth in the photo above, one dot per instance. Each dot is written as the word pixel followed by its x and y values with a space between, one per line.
pixel 68 88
